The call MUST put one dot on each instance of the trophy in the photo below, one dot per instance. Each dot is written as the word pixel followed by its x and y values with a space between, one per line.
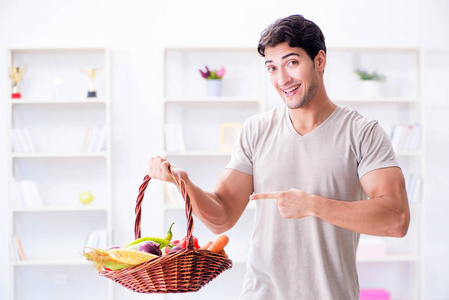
pixel 91 72
pixel 16 74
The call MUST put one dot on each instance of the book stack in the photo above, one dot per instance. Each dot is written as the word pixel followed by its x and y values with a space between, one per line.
pixel 406 137
pixel 94 139
pixel 24 194
pixel 21 140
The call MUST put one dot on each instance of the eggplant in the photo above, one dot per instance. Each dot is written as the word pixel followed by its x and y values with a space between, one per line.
pixel 150 247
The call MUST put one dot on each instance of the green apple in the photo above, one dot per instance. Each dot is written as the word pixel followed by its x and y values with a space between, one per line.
pixel 86 197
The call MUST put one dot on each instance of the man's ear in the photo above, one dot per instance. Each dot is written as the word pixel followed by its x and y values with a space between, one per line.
pixel 320 61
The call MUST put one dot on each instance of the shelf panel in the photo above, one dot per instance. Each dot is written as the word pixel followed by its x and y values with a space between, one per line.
pixel 409 153
pixel 212 100
pixel 45 263
pixel 60 101
pixel 390 258
pixel 59 155
pixel 376 100
pixel 198 154
pixel 60 209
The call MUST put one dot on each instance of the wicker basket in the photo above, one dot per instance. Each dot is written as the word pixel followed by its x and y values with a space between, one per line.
pixel 187 270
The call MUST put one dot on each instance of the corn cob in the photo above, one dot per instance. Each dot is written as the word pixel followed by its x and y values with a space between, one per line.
pixel 101 258
pixel 130 257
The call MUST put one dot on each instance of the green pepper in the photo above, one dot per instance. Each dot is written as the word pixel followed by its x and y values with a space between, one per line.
pixel 169 234
pixel 161 241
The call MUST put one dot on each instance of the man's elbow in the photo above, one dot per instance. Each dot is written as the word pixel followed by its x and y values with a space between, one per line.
pixel 401 225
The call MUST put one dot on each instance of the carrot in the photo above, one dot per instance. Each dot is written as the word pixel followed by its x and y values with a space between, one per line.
pixel 219 243
pixel 206 245
pixel 222 252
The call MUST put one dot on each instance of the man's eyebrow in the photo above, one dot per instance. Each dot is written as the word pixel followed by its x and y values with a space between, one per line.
pixel 283 57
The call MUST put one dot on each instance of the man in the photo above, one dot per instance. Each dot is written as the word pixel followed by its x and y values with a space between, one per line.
pixel 320 174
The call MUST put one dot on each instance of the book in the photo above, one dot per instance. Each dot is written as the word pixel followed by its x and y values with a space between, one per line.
pixel 94 139
pixel 28 141
pixel 174 138
pixel 97 239
pixel 406 137
pixel 21 140
pixel 15 193
pixel 30 194
pixel 18 248
pixel 86 139
pixel 101 139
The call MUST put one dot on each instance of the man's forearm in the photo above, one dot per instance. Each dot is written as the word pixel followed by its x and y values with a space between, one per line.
pixel 378 216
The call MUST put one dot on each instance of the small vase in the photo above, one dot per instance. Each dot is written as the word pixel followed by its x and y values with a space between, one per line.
pixel 213 87
pixel 370 88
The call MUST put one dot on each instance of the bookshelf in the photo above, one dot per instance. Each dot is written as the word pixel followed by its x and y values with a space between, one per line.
pixel 58 147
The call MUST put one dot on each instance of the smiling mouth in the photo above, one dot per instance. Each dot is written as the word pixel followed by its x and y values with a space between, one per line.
pixel 291 89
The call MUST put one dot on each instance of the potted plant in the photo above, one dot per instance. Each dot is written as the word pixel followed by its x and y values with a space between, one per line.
pixel 213 80
pixel 369 82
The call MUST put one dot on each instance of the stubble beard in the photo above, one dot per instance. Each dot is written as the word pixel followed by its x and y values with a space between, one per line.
pixel 308 95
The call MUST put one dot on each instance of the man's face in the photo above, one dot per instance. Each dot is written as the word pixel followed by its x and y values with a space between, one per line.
pixel 292 74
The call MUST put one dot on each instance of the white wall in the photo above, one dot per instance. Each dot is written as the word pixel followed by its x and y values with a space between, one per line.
pixel 136 30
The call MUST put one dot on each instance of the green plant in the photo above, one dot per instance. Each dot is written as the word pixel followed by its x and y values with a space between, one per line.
pixel 364 75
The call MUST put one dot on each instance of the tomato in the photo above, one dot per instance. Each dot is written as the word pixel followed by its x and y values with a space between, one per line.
pixel 183 242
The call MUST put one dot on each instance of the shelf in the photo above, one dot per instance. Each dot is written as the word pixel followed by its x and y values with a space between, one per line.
pixel 199 153
pixel 376 100
pixel 409 153
pixel 60 101
pixel 45 263
pixel 182 207
pixel 59 155
pixel 59 209
pixel 212 100
pixel 390 258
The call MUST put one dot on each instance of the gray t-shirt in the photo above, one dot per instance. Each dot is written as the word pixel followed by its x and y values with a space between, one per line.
pixel 306 258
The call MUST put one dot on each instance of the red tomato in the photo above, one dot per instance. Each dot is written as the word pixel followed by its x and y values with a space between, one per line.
pixel 183 242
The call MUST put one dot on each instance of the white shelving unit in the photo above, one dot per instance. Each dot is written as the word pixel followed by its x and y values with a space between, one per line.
pixel 398 101
pixel 53 231
pixel 195 120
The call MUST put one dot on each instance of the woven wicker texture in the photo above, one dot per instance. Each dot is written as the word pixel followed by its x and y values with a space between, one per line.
pixel 187 270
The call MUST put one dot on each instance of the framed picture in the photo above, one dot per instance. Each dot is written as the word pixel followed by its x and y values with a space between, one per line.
pixel 229 132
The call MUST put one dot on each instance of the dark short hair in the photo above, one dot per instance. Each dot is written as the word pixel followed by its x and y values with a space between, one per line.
pixel 297 32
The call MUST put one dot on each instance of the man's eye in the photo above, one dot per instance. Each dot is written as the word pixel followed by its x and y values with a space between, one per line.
pixel 270 69
pixel 292 62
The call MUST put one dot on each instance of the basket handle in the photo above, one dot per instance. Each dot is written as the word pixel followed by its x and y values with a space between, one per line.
pixel 188 206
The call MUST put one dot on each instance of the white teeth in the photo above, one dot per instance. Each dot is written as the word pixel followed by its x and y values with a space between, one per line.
pixel 292 89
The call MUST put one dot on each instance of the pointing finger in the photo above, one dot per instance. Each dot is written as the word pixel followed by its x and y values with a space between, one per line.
pixel 258 196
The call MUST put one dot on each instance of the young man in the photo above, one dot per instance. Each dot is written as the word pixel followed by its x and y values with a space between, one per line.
pixel 320 174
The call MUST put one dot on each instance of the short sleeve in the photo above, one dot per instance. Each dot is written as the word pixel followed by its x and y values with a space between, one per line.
pixel 242 153
pixel 376 150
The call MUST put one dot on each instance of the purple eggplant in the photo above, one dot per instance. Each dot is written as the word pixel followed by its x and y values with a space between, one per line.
pixel 150 247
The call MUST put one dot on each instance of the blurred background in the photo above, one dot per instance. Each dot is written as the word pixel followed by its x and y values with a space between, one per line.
pixel 142 79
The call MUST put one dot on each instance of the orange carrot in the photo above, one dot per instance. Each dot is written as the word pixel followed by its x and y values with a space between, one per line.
pixel 206 245
pixel 219 243
pixel 222 252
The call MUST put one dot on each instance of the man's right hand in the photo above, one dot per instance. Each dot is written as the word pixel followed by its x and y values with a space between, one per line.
pixel 158 168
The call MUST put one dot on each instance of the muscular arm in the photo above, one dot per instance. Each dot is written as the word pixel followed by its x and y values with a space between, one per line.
pixel 386 213
pixel 219 210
